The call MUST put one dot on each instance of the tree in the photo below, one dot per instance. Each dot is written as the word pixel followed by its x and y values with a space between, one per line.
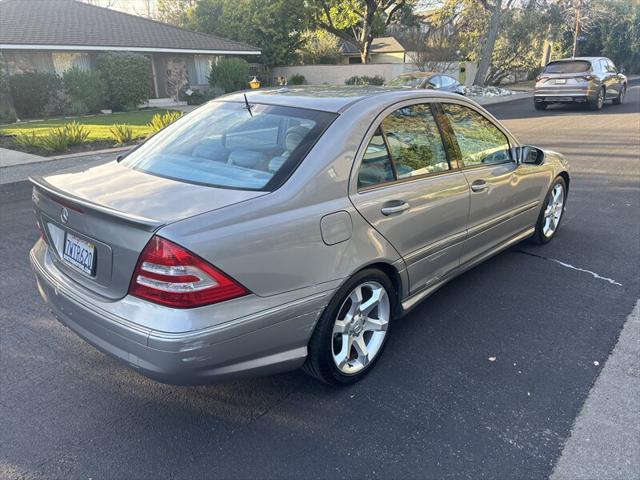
pixel 495 9
pixel 174 12
pixel 319 46
pixel 357 21
pixel 275 26
pixel 600 27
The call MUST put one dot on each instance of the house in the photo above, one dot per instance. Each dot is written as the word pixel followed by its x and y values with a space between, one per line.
pixel 383 50
pixel 55 35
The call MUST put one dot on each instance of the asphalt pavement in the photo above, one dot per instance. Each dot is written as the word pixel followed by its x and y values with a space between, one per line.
pixel 435 405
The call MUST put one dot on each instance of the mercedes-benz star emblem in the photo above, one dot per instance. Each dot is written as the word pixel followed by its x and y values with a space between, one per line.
pixel 64 215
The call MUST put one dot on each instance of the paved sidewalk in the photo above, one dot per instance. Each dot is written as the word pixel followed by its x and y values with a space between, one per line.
pixel 10 158
pixel 19 173
pixel 605 440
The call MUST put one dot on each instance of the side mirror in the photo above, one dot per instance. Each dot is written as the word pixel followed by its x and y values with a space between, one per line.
pixel 530 155
pixel 622 70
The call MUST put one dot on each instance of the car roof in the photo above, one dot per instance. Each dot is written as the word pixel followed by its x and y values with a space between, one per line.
pixel 586 59
pixel 327 98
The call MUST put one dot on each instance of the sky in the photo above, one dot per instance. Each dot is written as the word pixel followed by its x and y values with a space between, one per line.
pixel 136 7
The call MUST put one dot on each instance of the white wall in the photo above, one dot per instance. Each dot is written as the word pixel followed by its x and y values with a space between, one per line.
pixel 337 74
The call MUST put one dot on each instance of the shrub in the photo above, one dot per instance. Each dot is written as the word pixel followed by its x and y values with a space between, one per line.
pixel 76 108
pixel 84 88
pixel 76 133
pixel 32 91
pixel 121 134
pixel 230 74
pixel 27 139
pixel 364 80
pixel 160 121
pixel 7 113
pixel 55 140
pixel 297 79
pixel 126 78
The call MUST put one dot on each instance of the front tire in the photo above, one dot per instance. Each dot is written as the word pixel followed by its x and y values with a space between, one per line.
pixel 618 100
pixel 540 105
pixel 352 332
pixel 551 213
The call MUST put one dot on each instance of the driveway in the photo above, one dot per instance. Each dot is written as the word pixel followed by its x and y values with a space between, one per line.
pixel 483 380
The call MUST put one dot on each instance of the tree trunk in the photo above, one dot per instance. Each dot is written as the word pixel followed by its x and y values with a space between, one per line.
pixel 365 51
pixel 487 49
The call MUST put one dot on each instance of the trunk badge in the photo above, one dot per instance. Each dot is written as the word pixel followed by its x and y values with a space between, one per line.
pixel 64 215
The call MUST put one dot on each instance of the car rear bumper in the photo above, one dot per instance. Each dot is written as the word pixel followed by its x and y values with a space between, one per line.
pixel 270 341
pixel 558 95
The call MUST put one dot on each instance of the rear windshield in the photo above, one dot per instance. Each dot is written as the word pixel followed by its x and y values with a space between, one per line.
pixel 576 66
pixel 225 144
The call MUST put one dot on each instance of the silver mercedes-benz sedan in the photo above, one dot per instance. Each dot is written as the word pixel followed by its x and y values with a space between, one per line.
pixel 285 228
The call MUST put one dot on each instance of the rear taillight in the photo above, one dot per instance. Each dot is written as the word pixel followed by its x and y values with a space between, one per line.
pixel 542 79
pixel 170 275
pixel 588 78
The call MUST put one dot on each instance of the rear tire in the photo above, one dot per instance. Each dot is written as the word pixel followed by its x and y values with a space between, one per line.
pixel 348 340
pixel 620 97
pixel 540 105
pixel 598 103
pixel 551 213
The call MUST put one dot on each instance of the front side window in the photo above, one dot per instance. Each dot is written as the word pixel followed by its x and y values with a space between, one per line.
pixel 415 142
pixel 480 141
pixel 224 144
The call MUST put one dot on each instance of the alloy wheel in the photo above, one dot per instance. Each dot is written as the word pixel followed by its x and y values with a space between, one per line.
pixel 553 211
pixel 360 327
pixel 600 98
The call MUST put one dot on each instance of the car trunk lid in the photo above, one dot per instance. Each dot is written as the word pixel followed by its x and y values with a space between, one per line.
pixel 97 221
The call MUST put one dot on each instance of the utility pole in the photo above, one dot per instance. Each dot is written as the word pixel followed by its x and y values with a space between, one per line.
pixel 576 32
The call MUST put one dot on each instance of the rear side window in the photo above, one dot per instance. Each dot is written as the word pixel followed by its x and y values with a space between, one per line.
pixel 376 164
pixel 575 66
pixel 414 141
pixel 479 140
pixel 224 144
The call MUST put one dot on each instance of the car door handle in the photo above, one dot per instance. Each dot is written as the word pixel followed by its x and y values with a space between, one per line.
pixel 479 186
pixel 398 208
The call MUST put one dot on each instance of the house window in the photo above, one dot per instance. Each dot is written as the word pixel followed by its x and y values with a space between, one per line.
pixel 63 61
pixel 203 67
pixel 355 60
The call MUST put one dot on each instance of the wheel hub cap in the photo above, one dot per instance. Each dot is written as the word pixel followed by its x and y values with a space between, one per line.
pixel 360 328
pixel 553 211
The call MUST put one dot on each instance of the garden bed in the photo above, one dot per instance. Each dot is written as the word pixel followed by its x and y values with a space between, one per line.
pixel 98 128
pixel 8 141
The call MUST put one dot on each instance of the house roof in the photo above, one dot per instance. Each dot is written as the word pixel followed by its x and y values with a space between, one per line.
pixel 378 45
pixel 69 24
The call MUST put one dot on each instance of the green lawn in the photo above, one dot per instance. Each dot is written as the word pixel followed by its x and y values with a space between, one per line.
pixel 98 125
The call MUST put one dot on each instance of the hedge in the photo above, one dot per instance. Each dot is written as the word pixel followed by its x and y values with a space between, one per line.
pixel 126 78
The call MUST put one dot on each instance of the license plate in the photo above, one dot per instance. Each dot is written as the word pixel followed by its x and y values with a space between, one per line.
pixel 561 81
pixel 79 253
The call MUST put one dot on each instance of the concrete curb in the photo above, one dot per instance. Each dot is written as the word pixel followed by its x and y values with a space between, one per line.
pixel 91 152
pixel 504 99
pixel 604 439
